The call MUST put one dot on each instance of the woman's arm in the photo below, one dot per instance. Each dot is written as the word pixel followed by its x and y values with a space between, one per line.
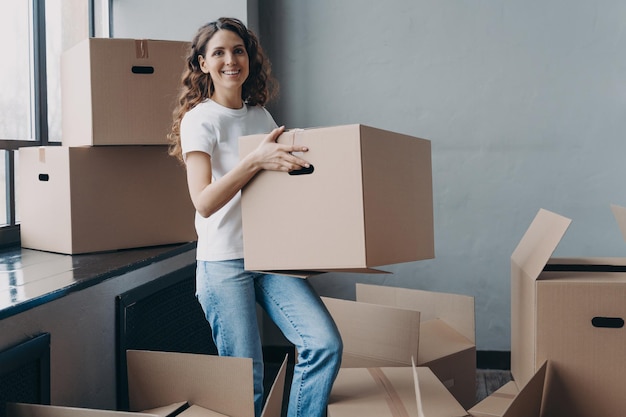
pixel 208 196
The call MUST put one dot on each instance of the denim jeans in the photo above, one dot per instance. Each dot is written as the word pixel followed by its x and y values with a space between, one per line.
pixel 229 294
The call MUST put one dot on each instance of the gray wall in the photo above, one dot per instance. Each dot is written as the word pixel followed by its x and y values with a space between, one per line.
pixel 524 102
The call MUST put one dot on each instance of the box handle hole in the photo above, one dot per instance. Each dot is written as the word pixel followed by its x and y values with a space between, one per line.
pixel 44 177
pixel 608 322
pixel 138 69
pixel 303 171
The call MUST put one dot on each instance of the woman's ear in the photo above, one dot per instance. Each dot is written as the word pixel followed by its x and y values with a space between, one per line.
pixel 203 66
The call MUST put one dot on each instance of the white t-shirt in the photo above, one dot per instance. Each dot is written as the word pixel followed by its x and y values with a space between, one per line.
pixel 214 129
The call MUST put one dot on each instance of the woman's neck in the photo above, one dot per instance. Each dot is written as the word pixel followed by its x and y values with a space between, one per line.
pixel 232 101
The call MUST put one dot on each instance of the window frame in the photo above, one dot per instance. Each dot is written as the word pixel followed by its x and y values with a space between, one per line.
pixel 10 234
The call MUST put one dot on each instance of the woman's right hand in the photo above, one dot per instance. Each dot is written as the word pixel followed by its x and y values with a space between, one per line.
pixel 274 156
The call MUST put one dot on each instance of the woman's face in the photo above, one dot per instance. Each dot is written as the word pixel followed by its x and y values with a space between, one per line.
pixel 226 61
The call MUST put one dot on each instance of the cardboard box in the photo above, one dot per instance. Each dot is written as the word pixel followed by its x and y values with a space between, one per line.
pixel 119 91
pixel 375 335
pixel 417 392
pixel 570 312
pixel 90 199
pixel 366 203
pixel 221 384
pixel 447 333
pixel 37 410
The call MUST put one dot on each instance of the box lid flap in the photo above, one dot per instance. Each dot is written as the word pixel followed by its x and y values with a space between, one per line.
pixel 38 410
pixel 438 340
pixel 497 402
pixel 218 383
pixel 620 215
pixel 539 242
pixel 528 402
pixel 382 333
pixel 274 403
pixel 455 309
pixel 432 397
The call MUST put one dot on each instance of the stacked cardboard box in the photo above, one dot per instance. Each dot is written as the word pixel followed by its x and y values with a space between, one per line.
pixel 168 384
pixel 569 312
pixel 111 185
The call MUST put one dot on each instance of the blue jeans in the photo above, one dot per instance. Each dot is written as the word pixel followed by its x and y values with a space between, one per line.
pixel 229 294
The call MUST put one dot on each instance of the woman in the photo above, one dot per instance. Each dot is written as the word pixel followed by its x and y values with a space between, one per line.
pixel 225 86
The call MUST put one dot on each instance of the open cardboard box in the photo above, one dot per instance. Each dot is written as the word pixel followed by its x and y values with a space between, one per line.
pixel 570 312
pixel 366 203
pixel 417 392
pixel 168 384
pixel 447 341
pixel 387 326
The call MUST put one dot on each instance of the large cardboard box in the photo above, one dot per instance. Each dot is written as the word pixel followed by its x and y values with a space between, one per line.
pixel 570 312
pixel 164 384
pixel 447 340
pixel 90 199
pixel 119 91
pixel 366 203
pixel 417 392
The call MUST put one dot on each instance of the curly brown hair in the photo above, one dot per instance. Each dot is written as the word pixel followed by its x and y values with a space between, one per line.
pixel 258 89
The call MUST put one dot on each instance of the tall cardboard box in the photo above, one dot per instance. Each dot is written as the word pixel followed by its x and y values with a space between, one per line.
pixel 366 203
pixel 447 333
pixel 570 312
pixel 90 199
pixel 119 91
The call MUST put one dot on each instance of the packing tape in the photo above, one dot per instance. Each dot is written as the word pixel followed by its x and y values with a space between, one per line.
pixel 42 154
pixel 503 395
pixel 393 399
pixel 141 48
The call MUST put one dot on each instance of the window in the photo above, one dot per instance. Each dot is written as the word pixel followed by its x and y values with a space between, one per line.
pixel 33 35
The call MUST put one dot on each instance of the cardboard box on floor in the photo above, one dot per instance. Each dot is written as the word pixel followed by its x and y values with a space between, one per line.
pixel 90 199
pixel 220 384
pixel 167 384
pixel 119 91
pixel 417 392
pixel 367 203
pixel 570 312
pixel 388 326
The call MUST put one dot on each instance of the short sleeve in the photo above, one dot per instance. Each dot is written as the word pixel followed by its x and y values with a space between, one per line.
pixel 196 133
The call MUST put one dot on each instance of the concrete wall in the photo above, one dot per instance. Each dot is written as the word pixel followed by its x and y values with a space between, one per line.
pixel 524 102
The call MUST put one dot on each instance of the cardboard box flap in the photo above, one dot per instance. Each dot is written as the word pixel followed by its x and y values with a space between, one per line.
pixel 274 403
pixel 222 384
pixel 496 404
pixel 438 340
pixel 456 310
pixel 620 215
pixel 38 410
pixel 376 332
pixel 528 402
pixel 174 409
pixel 539 242
pixel 432 397
pixel 197 411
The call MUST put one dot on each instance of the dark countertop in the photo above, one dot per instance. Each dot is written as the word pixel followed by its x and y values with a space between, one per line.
pixel 29 278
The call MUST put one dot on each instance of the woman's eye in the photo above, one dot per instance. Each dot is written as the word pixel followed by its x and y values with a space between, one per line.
pixel 240 51
pixel 217 53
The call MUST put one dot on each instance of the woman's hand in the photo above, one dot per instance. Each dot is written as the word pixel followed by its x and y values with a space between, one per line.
pixel 274 156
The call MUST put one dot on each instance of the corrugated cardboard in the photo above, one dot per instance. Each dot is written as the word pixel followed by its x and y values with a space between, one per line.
pixel 561 316
pixel 90 199
pixel 375 335
pixel 220 384
pixel 36 410
pixel 367 203
pixel 447 333
pixel 119 91
pixel 510 401
pixel 391 392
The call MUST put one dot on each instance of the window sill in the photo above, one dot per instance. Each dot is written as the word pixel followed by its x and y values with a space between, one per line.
pixel 29 278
